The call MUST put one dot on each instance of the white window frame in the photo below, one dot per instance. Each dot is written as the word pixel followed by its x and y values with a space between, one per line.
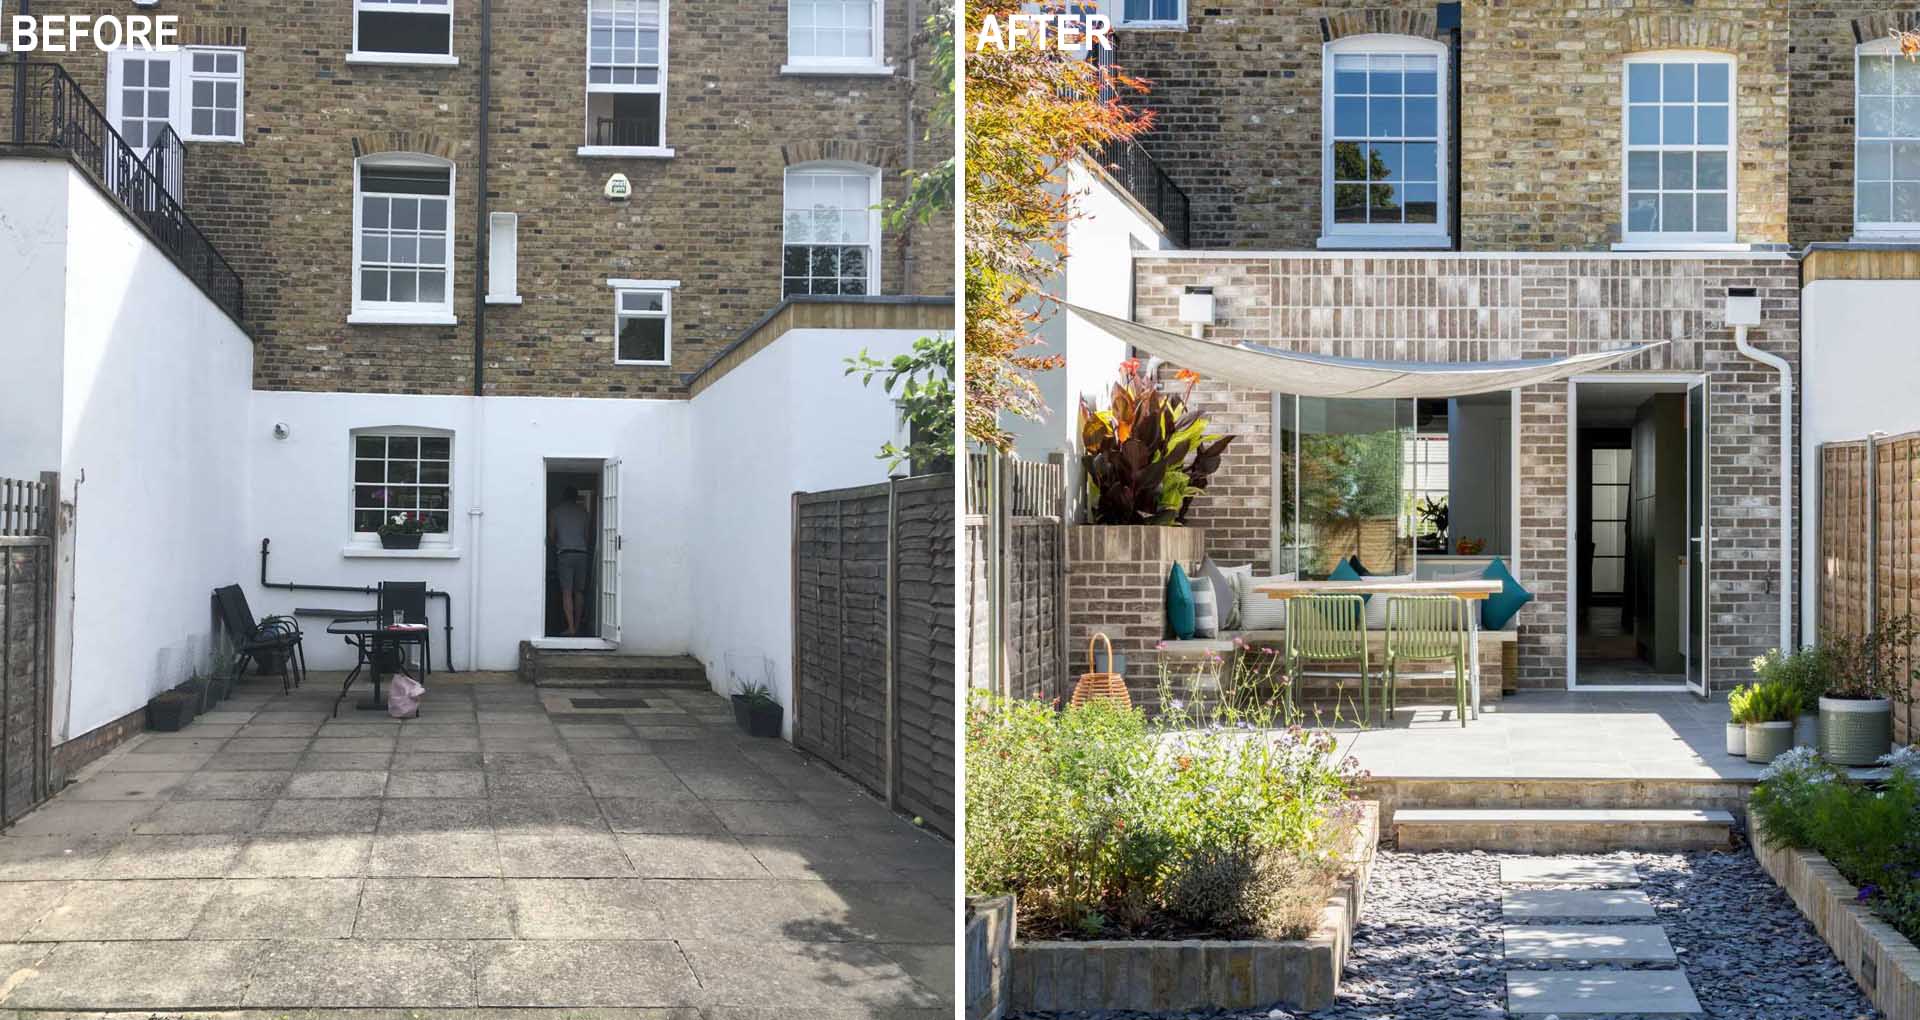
pixel 1120 19
pixel 180 79
pixel 430 542
pixel 659 151
pixel 1669 240
pixel 665 289
pixel 1437 234
pixel 872 173
pixel 874 63
pixel 408 313
pixel 357 55
pixel 1888 230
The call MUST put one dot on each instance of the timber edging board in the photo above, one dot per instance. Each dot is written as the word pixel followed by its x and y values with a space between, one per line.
pixel 1162 976
pixel 1883 962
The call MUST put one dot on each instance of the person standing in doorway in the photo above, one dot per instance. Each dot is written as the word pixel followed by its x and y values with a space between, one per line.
pixel 569 530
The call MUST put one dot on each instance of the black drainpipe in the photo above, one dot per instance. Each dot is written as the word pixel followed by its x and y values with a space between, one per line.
pixel 445 598
pixel 1447 19
pixel 481 228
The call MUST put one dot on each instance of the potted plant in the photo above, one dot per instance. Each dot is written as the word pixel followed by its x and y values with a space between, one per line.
pixel 403 530
pixel 1867 674
pixel 1806 671
pixel 194 690
pixel 1148 455
pixel 756 711
pixel 169 711
pixel 1737 719
pixel 1770 710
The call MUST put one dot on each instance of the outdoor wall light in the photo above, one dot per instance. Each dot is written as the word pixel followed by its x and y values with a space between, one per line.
pixel 1196 306
pixel 1743 306
pixel 280 430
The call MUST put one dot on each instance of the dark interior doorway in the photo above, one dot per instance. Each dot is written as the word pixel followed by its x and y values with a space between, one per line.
pixel 587 483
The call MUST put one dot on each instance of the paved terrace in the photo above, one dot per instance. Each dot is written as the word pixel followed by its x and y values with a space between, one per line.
pixel 512 848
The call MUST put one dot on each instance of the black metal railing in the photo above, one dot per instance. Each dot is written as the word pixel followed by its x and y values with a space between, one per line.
pixel 1150 186
pixel 626 131
pixel 49 110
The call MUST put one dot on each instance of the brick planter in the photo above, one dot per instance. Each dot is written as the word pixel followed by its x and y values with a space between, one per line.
pixel 1882 961
pixel 1161 976
pixel 1117 585
pixel 989 948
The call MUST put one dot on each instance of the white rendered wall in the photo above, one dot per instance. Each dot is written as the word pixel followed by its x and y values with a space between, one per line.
pixel 154 386
pixel 787 420
pixel 1860 368
pixel 302 495
pixel 33 261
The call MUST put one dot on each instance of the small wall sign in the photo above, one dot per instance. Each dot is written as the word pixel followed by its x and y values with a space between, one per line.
pixel 618 188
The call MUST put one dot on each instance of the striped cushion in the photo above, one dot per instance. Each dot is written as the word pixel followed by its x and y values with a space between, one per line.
pixel 1206 612
pixel 1257 611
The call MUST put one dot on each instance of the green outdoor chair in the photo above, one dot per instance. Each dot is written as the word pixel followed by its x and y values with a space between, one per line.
pixel 1326 629
pixel 1426 628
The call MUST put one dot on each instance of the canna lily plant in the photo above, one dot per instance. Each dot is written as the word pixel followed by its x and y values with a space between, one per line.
pixel 1147 455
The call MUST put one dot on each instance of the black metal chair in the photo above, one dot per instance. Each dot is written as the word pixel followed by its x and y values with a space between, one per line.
pixel 254 639
pixel 405 602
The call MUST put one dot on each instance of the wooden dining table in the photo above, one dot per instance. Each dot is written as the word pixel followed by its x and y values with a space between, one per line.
pixel 1469 589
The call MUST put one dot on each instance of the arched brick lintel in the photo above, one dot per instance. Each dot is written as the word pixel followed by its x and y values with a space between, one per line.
pixel 1874 27
pixel 1681 32
pixel 840 150
pixel 1379 21
pixel 402 141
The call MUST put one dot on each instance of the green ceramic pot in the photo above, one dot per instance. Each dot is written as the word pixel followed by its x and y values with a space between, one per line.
pixel 1855 731
pixel 1768 740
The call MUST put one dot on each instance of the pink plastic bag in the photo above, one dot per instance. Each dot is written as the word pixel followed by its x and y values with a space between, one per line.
pixel 403 697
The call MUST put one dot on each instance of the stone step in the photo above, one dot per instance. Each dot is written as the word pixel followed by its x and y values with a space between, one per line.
pixel 1590 943
pixel 589 670
pixel 1561 830
pixel 1574 905
pixel 1586 871
pixel 1600 992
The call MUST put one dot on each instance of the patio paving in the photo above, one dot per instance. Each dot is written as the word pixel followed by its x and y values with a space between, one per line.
pixel 509 851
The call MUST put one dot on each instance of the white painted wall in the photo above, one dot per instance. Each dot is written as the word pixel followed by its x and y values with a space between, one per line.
pixel 1859 364
pixel 147 380
pixel 787 420
pixel 33 262
pixel 302 500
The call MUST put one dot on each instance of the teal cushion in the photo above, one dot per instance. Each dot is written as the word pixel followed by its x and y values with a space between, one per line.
pixel 1179 604
pixel 1500 608
pixel 1345 572
pixel 1359 567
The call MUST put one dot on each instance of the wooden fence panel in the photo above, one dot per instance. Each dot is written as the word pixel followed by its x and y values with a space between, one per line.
pixel 1032 562
pixel 1870 542
pixel 27 561
pixel 923 649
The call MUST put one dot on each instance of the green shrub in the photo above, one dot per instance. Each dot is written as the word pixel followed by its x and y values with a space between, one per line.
pixel 1738 704
pixel 1805 670
pixel 1870 833
pixel 1771 702
pixel 1103 824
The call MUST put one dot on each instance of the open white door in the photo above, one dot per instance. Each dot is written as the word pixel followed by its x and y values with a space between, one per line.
pixel 609 601
pixel 1693 623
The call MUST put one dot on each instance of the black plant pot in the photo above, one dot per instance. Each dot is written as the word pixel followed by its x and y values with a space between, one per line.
pixel 170 712
pixel 756 720
pixel 196 694
pixel 400 541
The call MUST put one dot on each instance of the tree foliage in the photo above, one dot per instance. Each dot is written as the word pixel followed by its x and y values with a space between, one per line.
pixel 1029 112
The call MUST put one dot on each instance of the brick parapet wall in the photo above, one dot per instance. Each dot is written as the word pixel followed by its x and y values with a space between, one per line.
pixel 1116 585
pixel 1477 309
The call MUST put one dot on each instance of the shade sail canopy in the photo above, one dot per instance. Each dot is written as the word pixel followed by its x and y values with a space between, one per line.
pixel 1321 375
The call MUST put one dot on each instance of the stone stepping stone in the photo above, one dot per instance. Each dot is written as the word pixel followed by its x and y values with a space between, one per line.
pixel 1567 871
pixel 1539 993
pixel 1575 904
pixel 1590 943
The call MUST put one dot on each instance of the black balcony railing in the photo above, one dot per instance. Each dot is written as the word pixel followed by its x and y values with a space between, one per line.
pixel 49 110
pixel 626 131
pixel 1150 186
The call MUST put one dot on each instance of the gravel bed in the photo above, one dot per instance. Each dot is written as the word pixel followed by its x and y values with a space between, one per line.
pixel 1428 946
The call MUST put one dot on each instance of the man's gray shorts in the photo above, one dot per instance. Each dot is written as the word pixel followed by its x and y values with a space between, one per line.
pixel 573 567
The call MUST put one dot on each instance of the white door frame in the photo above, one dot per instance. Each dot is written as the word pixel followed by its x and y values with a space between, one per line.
pixel 1688 379
pixel 540 640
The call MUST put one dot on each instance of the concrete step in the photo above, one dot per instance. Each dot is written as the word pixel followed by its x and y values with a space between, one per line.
pixel 1574 905
pixel 1589 943
pixel 1600 992
pixel 1581 871
pixel 1562 830
pixel 599 670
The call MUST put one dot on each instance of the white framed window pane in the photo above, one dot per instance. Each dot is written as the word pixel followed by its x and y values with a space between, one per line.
pixel 1875 77
pixel 1873 202
pixel 1710 212
pixel 1643 83
pixel 1349 74
pixel 1711 170
pixel 1643 170
pixel 1875 116
pixel 1676 212
pixel 1711 125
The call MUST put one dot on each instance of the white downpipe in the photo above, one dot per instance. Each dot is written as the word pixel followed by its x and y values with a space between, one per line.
pixel 1779 364
pixel 475 515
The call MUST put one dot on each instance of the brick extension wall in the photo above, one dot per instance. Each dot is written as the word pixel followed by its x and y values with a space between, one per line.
pixel 1117 585
pixel 1238 101
pixel 280 206
pixel 1469 309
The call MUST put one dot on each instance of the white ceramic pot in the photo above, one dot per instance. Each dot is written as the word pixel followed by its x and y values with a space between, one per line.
pixel 1768 740
pixel 1736 738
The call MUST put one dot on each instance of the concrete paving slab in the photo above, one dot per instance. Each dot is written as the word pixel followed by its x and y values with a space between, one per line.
pixel 1582 992
pixel 435 855
pixel 587 908
pixel 429 761
pixel 645 786
pixel 135 975
pixel 540 817
pixel 205 817
pixel 288 855
pixel 23 904
pixel 806 975
pixel 231 786
pixel 192 856
pixel 1574 904
pixel 773 818
pixel 1590 943
pixel 413 908
pixel 63 817
pixel 1590 871
pixel 356 973
pixel 441 814
pixel 347 745
pixel 50 858
pixel 585 973
pixel 280 908
pixel 660 816
pixel 437 785
pixel 692 855
pixel 129 786
pixel 132 910
pixel 565 855
pixel 344 761
pixel 536 784
pixel 322 816
pixel 248 761
pixel 323 784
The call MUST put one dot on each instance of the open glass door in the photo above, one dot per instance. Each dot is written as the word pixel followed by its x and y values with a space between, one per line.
pixel 609 601
pixel 1694 601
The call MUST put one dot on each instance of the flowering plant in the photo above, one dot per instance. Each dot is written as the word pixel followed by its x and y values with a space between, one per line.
pixel 1870 831
pixel 409 522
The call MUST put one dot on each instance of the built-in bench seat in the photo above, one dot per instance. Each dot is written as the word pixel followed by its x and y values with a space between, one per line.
pixel 1496 649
